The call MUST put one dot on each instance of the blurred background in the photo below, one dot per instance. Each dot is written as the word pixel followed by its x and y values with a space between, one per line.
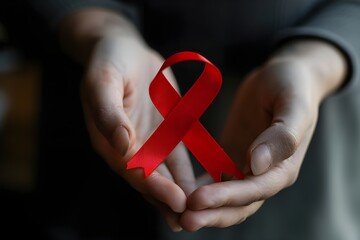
pixel 19 112
pixel 52 183
pixel 20 85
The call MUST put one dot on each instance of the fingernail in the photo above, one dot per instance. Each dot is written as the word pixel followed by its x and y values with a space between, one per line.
pixel 260 159
pixel 121 140
pixel 176 228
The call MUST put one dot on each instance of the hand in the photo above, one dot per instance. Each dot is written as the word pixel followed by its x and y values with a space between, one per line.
pixel 118 111
pixel 268 131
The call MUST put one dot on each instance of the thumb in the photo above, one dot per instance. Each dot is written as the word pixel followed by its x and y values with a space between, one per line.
pixel 294 119
pixel 275 144
pixel 103 92
pixel 291 123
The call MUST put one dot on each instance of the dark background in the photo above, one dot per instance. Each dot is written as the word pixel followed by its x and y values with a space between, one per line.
pixel 52 183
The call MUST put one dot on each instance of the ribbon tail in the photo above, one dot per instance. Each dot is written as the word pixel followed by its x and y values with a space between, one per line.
pixel 145 161
pixel 211 156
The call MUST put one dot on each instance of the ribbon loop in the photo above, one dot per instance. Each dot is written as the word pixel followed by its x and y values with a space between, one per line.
pixel 181 121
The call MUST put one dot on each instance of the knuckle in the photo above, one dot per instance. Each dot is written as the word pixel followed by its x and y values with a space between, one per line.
pixel 288 139
pixel 102 116
pixel 258 192
pixel 291 140
pixel 203 193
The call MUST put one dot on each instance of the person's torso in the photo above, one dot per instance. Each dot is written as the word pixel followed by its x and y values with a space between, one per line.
pixel 222 29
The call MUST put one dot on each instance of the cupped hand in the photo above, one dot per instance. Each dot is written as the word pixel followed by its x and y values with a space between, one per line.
pixel 268 130
pixel 267 133
pixel 120 117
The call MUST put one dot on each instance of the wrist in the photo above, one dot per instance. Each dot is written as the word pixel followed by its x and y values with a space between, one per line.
pixel 324 62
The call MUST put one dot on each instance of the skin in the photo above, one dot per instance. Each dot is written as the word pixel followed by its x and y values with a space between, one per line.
pixel 268 130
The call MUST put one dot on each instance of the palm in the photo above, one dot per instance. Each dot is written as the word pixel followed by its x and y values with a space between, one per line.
pixel 274 108
pixel 119 114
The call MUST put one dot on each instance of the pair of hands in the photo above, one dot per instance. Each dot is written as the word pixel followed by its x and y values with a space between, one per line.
pixel 268 130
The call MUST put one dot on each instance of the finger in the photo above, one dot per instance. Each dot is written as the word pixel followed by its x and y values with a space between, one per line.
pixel 181 169
pixel 163 170
pixel 171 218
pixel 275 144
pixel 220 217
pixel 291 122
pixel 204 179
pixel 160 187
pixel 165 191
pixel 104 92
pixel 243 192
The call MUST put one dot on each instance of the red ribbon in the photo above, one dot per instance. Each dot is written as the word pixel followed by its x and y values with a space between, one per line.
pixel 181 121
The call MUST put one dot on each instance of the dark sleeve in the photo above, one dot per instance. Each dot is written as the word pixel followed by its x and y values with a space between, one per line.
pixel 54 10
pixel 337 22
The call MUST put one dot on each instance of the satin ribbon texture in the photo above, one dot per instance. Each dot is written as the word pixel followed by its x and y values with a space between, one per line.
pixel 181 121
